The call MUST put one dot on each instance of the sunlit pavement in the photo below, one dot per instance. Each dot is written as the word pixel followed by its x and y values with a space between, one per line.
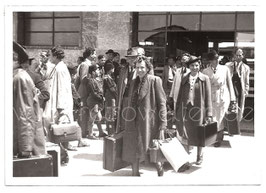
pixel 234 163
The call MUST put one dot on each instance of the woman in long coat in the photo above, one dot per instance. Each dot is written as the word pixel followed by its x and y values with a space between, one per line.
pixel 194 106
pixel 146 116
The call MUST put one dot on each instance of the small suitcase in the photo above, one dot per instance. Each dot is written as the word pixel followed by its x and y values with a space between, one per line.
pixel 65 132
pixel 112 152
pixel 36 166
pixel 232 124
pixel 202 136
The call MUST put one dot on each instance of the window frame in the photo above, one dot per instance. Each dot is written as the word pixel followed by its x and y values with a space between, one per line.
pixel 24 31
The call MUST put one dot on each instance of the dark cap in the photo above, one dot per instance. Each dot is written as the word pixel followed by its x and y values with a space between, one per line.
pixel 193 59
pixel 22 53
pixel 212 55
pixel 135 51
pixel 110 51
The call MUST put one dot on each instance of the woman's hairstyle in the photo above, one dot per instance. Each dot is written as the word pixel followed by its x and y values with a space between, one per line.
pixel 93 68
pixel 139 59
pixel 88 51
pixel 58 52
pixel 172 57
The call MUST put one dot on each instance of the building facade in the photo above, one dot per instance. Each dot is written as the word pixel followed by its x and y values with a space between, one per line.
pixel 160 33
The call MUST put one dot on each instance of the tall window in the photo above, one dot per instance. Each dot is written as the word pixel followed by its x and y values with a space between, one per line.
pixel 52 28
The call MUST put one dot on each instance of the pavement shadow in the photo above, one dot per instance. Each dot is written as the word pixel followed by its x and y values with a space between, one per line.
pixel 92 157
pixel 124 173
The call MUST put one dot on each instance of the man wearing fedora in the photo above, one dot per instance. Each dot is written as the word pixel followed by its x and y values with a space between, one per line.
pixel 110 54
pixel 28 135
pixel 126 76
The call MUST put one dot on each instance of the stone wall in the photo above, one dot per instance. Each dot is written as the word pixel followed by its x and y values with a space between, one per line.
pixel 102 31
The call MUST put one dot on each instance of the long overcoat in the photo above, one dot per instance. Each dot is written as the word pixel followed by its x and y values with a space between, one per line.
pixel 28 133
pixel 244 72
pixel 143 123
pixel 202 104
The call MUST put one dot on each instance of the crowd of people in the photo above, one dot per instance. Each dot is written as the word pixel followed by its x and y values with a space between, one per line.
pixel 125 95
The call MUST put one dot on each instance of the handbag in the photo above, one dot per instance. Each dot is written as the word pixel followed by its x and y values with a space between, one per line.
pixel 174 152
pixel 65 132
pixel 203 135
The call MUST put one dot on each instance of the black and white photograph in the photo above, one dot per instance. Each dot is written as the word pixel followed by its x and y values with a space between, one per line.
pixel 133 95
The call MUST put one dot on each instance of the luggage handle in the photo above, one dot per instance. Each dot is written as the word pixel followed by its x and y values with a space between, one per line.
pixel 67 117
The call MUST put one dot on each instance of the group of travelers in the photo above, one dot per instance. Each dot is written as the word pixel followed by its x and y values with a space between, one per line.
pixel 125 95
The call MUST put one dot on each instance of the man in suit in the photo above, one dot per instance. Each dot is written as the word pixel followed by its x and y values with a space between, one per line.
pixel 126 76
pixel 168 74
pixel 240 77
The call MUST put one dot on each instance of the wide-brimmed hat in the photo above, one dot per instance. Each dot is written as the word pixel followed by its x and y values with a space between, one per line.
pixel 22 53
pixel 135 51
pixel 193 59
pixel 110 51
pixel 212 55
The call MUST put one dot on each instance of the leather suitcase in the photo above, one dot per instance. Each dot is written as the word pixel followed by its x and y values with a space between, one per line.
pixel 204 135
pixel 112 152
pixel 36 166
pixel 65 132
pixel 232 124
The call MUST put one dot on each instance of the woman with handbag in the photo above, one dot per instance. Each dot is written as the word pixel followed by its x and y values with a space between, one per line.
pixel 221 90
pixel 146 116
pixel 193 106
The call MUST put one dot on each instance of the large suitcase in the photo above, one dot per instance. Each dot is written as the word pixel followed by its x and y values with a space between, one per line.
pixel 112 152
pixel 202 136
pixel 231 123
pixel 36 166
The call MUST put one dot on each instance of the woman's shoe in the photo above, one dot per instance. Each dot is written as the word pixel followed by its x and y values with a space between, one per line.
pixel 184 167
pixel 159 168
pixel 199 160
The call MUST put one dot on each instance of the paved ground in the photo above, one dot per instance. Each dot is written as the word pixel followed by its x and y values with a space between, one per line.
pixel 236 162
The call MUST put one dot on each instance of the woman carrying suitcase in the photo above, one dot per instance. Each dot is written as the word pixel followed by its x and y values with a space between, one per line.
pixel 145 118
pixel 194 106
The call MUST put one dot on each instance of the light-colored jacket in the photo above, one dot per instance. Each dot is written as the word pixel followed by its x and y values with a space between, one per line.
pixel 244 71
pixel 60 94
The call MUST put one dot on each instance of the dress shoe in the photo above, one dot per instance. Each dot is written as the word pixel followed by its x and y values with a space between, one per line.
pixel 217 144
pixel 83 144
pixel 184 167
pixel 159 168
pixel 71 148
pixel 199 160
pixel 102 135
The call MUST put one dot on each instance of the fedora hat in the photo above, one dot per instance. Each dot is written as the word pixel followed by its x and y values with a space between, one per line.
pixel 135 51
pixel 110 51
pixel 22 53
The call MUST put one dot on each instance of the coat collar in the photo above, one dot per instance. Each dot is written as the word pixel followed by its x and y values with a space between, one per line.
pixel 186 78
